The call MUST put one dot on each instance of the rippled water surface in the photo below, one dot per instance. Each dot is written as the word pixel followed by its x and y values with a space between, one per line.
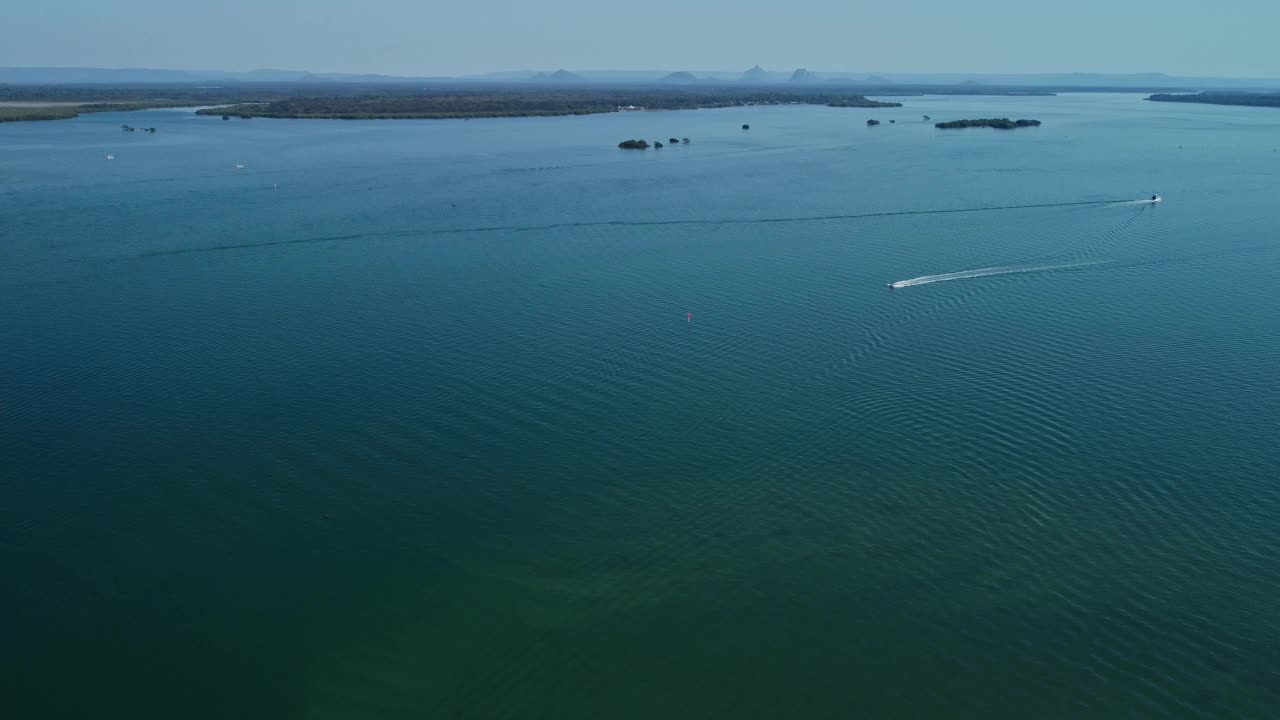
pixel 411 419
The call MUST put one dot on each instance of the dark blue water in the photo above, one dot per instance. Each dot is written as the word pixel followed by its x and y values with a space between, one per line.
pixel 408 419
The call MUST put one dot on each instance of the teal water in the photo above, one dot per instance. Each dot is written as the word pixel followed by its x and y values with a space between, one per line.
pixel 408 419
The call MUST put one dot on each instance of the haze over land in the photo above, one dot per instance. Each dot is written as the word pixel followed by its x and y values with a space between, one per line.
pixel 679 78
pixel 406 38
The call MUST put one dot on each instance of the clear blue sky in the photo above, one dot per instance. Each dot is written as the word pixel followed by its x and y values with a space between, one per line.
pixel 448 37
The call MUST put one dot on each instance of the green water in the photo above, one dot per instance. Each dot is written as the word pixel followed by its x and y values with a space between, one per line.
pixel 410 419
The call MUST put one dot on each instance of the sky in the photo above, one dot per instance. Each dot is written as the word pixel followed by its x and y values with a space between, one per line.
pixel 452 37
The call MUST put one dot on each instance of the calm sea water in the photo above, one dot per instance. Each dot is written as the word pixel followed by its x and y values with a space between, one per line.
pixel 409 419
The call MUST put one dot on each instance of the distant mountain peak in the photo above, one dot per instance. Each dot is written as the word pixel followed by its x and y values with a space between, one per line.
pixel 680 77
pixel 802 75
pixel 756 74
pixel 559 76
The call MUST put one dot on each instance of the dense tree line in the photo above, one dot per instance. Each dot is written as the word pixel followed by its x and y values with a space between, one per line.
pixel 1222 98
pixel 534 102
pixel 439 100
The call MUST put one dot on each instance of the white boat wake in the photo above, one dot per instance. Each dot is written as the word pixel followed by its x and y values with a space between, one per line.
pixel 1024 267
pixel 1147 201
pixel 981 272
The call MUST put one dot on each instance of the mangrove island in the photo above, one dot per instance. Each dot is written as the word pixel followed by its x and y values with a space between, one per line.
pixel 997 123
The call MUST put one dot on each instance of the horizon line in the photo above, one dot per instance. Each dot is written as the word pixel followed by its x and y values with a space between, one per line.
pixel 657 71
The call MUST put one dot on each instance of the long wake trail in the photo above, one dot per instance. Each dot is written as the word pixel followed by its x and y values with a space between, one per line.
pixel 417 232
pixel 982 272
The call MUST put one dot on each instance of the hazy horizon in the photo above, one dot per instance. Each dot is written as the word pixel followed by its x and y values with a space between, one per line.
pixel 398 37
pixel 700 73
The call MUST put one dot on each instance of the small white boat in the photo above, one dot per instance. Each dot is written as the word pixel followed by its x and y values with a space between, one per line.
pixel 111 157
pixel 1155 199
